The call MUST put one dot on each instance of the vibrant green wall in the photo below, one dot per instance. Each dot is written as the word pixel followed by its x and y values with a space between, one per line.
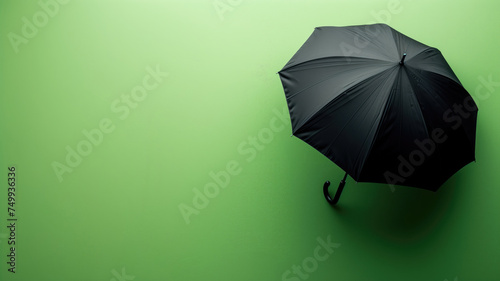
pixel 157 141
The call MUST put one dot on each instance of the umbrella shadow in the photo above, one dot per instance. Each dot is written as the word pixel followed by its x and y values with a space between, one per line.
pixel 405 216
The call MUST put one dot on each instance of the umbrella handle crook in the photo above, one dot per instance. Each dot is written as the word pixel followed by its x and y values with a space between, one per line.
pixel 337 194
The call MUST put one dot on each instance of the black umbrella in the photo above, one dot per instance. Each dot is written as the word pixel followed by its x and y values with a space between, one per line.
pixel 382 106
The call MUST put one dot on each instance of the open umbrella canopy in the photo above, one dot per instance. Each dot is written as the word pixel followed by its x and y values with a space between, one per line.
pixel 382 106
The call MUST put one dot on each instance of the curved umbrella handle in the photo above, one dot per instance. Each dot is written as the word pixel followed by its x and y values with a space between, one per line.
pixel 337 194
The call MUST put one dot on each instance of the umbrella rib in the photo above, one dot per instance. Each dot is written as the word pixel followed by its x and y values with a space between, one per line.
pixel 454 77
pixel 341 130
pixel 377 130
pixel 444 103
pixel 328 103
pixel 439 156
pixel 422 119
pixel 378 125
pixel 328 150
pixel 326 79
pixel 347 58
pixel 421 51
pixel 419 108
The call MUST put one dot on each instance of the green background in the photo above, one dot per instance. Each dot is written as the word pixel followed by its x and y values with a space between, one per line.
pixel 117 215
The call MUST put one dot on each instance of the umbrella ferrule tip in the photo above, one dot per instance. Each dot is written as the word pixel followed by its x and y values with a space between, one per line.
pixel 402 62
